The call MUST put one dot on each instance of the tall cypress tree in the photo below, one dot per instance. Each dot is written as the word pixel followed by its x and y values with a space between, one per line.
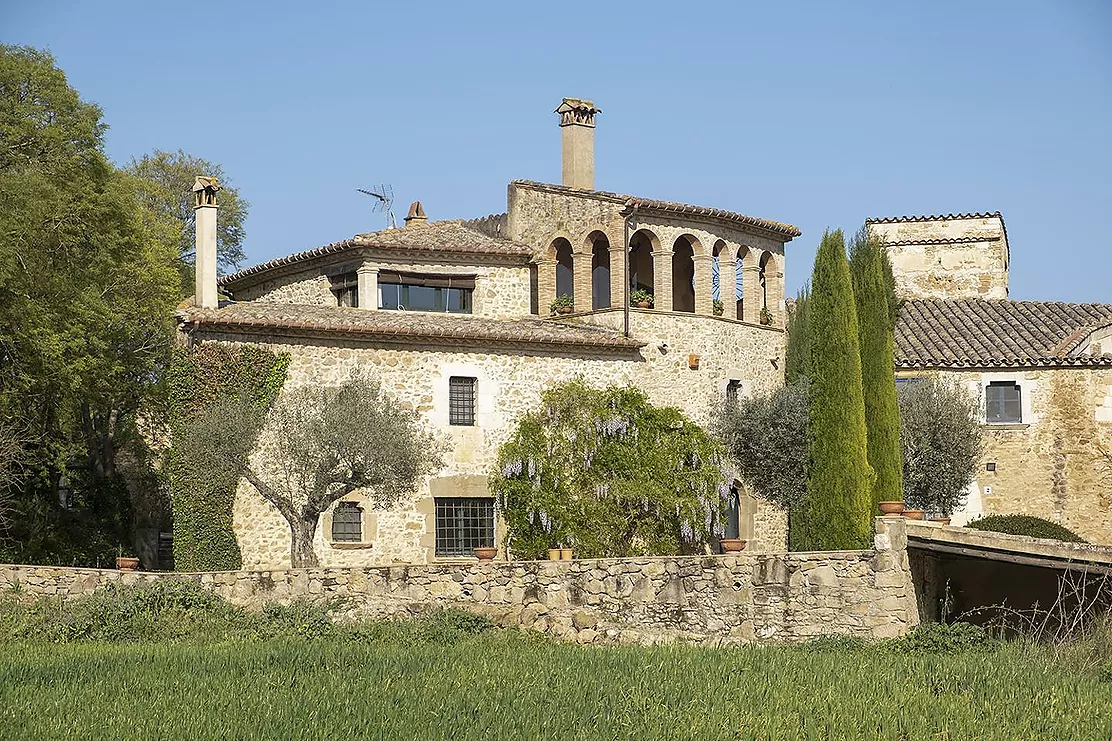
pixel 797 361
pixel 837 512
pixel 875 297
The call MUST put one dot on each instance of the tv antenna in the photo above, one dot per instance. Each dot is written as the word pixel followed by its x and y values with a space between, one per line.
pixel 384 202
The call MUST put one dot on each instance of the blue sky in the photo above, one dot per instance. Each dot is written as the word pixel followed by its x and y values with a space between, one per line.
pixel 818 114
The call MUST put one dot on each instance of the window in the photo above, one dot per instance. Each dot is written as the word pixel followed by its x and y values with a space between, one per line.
pixel 461 400
pixel 1002 403
pixel 347 523
pixel 346 289
pixel 421 292
pixel 463 524
pixel 733 388
pixel 733 514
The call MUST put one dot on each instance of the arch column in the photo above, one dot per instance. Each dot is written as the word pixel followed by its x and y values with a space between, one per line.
pixel 774 289
pixel 751 290
pixel 617 275
pixel 582 287
pixel 727 286
pixel 704 284
pixel 546 286
pixel 662 280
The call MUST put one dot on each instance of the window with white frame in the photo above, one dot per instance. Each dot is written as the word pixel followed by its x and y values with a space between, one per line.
pixel 1003 403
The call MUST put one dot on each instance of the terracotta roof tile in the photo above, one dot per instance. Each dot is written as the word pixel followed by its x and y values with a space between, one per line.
pixel 404 327
pixel 937 217
pixel 668 207
pixel 971 333
pixel 437 236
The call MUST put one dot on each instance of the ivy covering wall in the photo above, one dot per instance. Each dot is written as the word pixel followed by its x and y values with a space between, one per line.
pixel 202 498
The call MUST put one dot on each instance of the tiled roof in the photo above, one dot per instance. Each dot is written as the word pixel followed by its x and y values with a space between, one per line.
pixel 403 327
pixel 668 207
pixel 977 333
pixel 938 217
pixel 437 236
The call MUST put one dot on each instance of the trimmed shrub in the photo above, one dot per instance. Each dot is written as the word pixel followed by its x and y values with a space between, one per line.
pixel 1032 527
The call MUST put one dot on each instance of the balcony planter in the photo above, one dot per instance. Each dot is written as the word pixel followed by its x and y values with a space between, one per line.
pixel 719 307
pixel 562 305
pixel 915 514
pixel 941 520
pixel 127 563
pixel 486 553
pixel 766 317
pixel 641 298
pixel 892 507
pixel 732 545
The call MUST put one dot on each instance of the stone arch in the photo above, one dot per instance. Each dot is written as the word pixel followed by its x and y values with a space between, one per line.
pixel 718 281
pixel 683 273
pixel 643 244
pixel 767 271
pixel 745 259
pixel 561 252
pixel 598 245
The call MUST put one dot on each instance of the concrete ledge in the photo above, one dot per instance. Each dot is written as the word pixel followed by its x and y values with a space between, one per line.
pixel 1054 553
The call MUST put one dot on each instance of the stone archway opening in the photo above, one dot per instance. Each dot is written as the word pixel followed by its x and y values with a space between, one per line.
pixel 641 276
pixel 743 258
pixel 766 268
pixel 718 282
pixel 683 275
pixel 565 282
pixel 600 270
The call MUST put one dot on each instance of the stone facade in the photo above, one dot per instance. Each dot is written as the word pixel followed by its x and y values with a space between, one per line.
pixel 747 598
pixel 1056 463
pixel 952 256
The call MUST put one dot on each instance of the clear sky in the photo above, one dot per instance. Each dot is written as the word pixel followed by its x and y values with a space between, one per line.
pixel 818 114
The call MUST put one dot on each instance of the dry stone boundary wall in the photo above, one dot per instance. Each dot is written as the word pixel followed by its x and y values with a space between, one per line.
pixel 743 598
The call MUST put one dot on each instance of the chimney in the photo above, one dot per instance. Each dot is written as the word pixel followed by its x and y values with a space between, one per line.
pixel 577 126
pixel 416 215
pixel 204 263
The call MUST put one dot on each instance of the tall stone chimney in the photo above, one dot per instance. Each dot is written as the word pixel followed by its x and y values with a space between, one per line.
pixel 577 126
pixel 204 264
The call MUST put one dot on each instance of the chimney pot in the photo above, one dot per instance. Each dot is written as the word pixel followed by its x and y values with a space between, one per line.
pixel 577 126
pixel 416 214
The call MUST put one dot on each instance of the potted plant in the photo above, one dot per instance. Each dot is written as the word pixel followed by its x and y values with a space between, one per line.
pixel 732 545
pixel 892 507
pixel 554 554
pixel 641 298
pixel 486 552
pixel 565 554
pixel 126 563
pixel 766 316
pixel 915 514
pixel 719 307
pixel 562 305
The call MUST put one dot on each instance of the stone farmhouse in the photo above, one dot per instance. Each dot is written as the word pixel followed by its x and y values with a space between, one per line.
pixel 456 318
pixel 1041 370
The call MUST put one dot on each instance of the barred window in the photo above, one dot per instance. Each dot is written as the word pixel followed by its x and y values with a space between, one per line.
pixel 463 524
pixel 1002 402
pixel 347 523
pixel 461 400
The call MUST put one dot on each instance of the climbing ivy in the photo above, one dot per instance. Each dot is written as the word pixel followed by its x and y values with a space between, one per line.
pixel 202 503
pixel 606 472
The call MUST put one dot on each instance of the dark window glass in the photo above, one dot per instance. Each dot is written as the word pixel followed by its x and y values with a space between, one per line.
pixel 733 514
pixel 732 389
pixel 461 400
pixel 347 523
pixel 419 292
pixel 346 289
pixel 463 524
pixel 1002 403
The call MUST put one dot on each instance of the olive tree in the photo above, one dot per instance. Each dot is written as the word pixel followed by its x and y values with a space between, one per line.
pixel 319 444
pixel 941 443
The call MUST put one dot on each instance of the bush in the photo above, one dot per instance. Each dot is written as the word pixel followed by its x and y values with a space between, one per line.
pixel 942 638
pixel 1032 527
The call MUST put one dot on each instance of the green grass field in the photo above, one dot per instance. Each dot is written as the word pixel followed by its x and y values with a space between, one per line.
pixel 169 668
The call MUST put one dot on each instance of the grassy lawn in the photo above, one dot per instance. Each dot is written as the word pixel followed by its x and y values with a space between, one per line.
pixel 501 686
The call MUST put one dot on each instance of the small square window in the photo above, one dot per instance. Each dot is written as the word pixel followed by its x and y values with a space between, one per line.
pixel 1002 403
pixel 733 388
pixel 461 401
pixel 463 524
pixel 347 523
pixel 990 466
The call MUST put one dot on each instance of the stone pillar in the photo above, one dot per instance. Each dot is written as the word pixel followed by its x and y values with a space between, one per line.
pixel 751 287
pixel 205 209
pixel 727 287
pixel 662 280
pixel 618 279
pixel 704 284
pixel 581 280
pixel 774 282
pixel 368 286
pixel 546 286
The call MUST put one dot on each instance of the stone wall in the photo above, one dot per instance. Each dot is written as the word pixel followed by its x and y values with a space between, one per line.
pixel 938 257
pixel 508 384
pixel 1055 463
pixel 763 598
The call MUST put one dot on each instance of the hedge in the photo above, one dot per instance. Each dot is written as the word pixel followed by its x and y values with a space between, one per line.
pixel 1032 527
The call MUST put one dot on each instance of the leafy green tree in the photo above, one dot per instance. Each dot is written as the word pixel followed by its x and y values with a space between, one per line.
pixel 875 333
pixel 837 511
pixel 941 442
pixel 797 363
pixel 608 473
pixel 165 180
pixel 323 443
pixel 86 291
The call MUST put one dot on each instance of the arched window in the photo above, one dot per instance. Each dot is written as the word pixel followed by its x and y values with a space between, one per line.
pixel 683 275
pixel 565 284
pixel 641 262
pixel 743 258
pixel 600 270
pixel 767 266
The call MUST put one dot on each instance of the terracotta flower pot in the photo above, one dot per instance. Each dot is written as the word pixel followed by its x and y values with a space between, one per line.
pixel 126 563
pixel 943 520
pixel 553 554
pixel 563 310
pixel 644 305
pixel 732 545
pixel 486 553
pixel 892 507
pixel 565 554
pixel 915 514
